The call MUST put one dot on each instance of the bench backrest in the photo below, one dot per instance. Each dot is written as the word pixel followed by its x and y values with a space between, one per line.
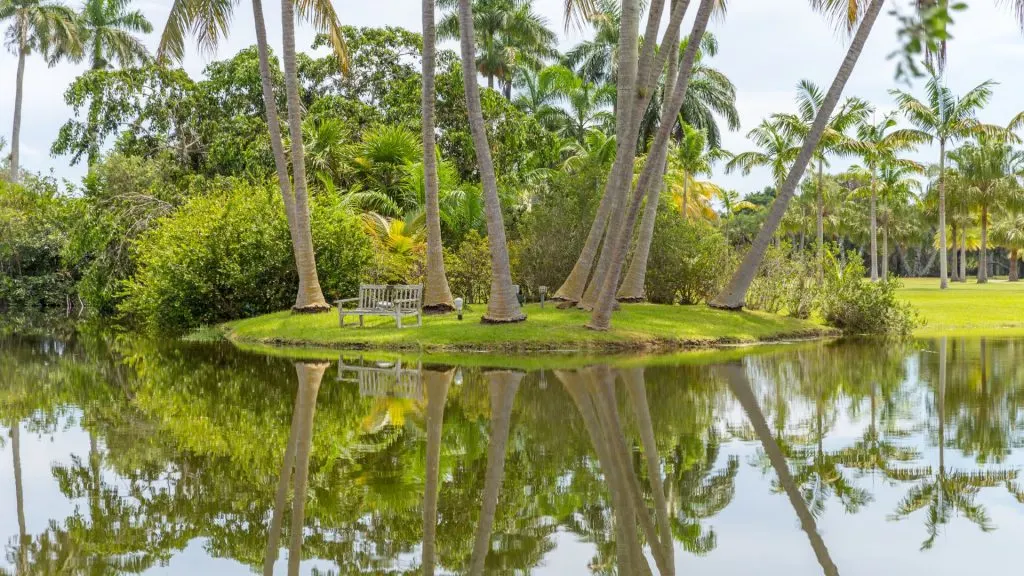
pixel 408 292
pixel 371 294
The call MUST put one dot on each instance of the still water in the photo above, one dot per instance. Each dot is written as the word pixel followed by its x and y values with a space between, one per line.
pixel 131 457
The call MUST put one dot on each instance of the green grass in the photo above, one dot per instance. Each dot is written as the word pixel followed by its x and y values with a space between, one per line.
pixel 971 309
pixel 636 327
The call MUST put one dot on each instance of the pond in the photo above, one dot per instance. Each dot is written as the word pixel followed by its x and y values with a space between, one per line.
pixel 127 456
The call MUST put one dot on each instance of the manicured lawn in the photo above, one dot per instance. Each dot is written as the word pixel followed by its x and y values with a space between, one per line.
pixel 635 327
pixel 993 309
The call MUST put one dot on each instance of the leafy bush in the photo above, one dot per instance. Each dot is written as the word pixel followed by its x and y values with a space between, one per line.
pixel 784 282
pixel 689 261
pixel 228 255
pixel 857 306
pixel 469 269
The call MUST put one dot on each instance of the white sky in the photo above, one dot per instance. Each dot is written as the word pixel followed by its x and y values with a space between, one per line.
pixel 767 46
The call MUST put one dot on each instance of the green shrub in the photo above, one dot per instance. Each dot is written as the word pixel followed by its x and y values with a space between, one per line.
pixel 784 282
pixel 856 306
pixel 469 269
pixel 228 255
pixel 689 261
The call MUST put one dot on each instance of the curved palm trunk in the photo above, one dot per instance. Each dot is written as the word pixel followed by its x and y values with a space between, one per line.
pixel 983 253
pixel 874 228
pixel 503 386
pixel 740 385
pixel 632 289
pixel 820 238
pixel 943 258
pixel 735 294
pixel 502 306
pixel 437 296
pixel 19 94
pixel 310 376
pixel 436 386
pixel 310 297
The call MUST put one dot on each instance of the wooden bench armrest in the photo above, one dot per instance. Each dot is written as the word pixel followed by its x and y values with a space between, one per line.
pixel 344 301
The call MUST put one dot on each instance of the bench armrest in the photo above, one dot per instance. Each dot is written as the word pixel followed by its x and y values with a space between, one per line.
pixel 341 303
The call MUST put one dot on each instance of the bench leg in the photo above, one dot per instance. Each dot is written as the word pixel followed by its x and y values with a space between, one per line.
pixel 341 318
pixel 360 320
pixel 419 319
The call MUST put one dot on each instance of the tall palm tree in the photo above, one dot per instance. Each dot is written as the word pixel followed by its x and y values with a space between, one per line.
pixel 437 295
pixel 46 27
pixel 879 144
pixel 809 100
pixel 735 293
pixel 210 22
pixel 509 35
pixel 777 151
pixel 946 119
pixel 1008 232
pixel 109 33
pixel 502 306
pixel 897 187
pixel 990 170
pixel 595 60
pixel 435 387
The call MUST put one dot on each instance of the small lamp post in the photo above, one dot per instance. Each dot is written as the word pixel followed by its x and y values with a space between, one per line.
pixel 458 377
pixel 543 292
pixel 458 307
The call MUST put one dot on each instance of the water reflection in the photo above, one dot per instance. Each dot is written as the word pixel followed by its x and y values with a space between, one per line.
pixel 129 456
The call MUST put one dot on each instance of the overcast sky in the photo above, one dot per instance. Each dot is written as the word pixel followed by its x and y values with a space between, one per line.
pixel 767 46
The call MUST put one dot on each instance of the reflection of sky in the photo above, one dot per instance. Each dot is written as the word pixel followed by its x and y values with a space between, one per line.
pixel 758 531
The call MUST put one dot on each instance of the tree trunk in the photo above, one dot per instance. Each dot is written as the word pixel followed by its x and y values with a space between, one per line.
pixel 874 227
pixel 733 297
pixel 963 255
pixel 502 306
pixel 309 298
pixel 632 289
pixel 435 384
pixel 983 253
pixel 19 93
pixel 943 258
pixel 310 376
pixel 885 249
pixel 651 174
pixel 820 239
pixel 954 276
pixel 281 495
pixel 19 499
pixel 740 385
pixel 502 386
pixel 437 296
pixel 1013 274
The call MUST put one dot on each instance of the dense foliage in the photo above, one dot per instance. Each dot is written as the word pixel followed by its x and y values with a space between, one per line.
pixel 689 262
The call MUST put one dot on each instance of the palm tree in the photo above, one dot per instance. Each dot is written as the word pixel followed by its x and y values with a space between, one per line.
pixel 777 151
pixel 502 306
pixel 37 26
pixel 109 33
pixel 989 170
pixel 732 203
pixel 509 35
pixel 209 22
pixel 437 295
pixel 1008 232
pixel 897 187
pixel 596 60
pixel 735 293
pixel 809 100
pixel 947 119
pixel 878 144
pixel 435 387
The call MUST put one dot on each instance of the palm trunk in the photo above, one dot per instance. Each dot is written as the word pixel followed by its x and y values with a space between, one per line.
pixel 310 376
pixel 309 298
pixel 1014 275
pixel 19 93
pixel 651 175
pixel 983 253
pixel 19 499
pixel 632 289
pixel 281 495
pixel 820 240
pixel 956 255
pixel 963 255
pixel 436 386
pixel 437 296
pixel 943 258
pixel 874 227
pixel 502 306
pixel 503 386
pixel 740 386
pixel 733 297
pixel 885 248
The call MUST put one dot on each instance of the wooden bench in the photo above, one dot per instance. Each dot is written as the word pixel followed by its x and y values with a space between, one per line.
pixel 396 302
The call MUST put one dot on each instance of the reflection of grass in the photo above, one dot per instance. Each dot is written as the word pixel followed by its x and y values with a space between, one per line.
pixel 993 309
pixel 635 327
